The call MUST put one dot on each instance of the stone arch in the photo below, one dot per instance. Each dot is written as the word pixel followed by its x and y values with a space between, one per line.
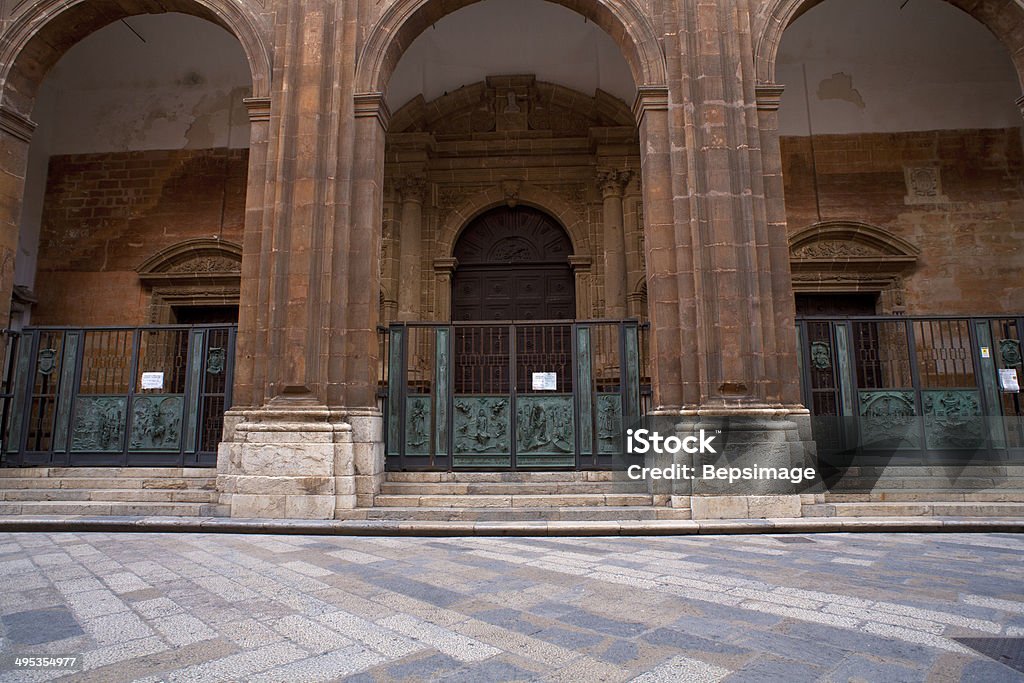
pixel 1002 17
pixel 404 20
pixel 37 39
pixel 571 221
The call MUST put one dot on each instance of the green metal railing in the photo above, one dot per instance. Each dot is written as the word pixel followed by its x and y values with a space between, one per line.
pixel 504 395
pixel 116 396
pixel 920 389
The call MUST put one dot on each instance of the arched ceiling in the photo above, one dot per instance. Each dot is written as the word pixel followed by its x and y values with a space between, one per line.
pixel 874 67
pixel 499 37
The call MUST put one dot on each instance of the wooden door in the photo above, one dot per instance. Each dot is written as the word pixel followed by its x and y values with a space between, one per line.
pixel 513 265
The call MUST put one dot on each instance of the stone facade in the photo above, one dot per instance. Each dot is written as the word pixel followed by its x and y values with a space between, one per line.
pixel 684 207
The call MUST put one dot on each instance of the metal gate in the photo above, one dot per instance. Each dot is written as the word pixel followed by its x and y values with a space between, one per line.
pixel 920 390
pixel 149 396
pixel 539 395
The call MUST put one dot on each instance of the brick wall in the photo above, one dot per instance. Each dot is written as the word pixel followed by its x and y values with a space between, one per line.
pixel 971 240
pixel 105 214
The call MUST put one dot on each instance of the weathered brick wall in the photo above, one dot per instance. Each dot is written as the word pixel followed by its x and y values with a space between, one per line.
pixel 105 214
pixel 971 238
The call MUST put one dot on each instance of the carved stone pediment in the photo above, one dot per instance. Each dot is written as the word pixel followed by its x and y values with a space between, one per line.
pixel 210 261
pixel 507 103
pixel 850 247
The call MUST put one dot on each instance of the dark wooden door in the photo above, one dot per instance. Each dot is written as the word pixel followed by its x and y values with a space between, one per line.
pixel 513 265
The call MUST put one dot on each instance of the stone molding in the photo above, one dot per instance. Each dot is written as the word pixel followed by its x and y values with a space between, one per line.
pixel 529 195
pixel 258 109
pixel 372 104
pixel 649 98
pixel 769 96
pixel 191 262
pixel 15 124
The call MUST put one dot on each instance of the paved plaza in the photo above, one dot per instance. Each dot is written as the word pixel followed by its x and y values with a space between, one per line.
pixel 220 607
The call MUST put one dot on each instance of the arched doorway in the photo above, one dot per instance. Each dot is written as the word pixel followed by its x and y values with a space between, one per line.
pixel 513 264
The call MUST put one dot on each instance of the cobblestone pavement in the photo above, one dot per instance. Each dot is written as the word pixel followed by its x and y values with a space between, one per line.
pixel 215 607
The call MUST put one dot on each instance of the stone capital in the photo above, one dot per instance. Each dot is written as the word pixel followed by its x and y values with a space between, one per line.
pixel 581 264
pixel 769 96
pixel 612 181
pixel 372 105
pixel 15 124
pixel 649 98
pixel 411 188
pixel 446 266
pixel 258 108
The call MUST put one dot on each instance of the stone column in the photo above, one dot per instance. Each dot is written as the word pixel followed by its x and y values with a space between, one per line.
pixel 287 454
pixel 15 135
pixel 669 289
pixel 581 265
pixel 444 269
pixel 782 369
pixel 741 325
pixel 252 319
pixel 410 248
pixel 612 183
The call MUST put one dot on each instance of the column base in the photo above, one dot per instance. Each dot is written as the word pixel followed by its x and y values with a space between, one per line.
pixel 744 507
pixel 290 461
pixel 752 439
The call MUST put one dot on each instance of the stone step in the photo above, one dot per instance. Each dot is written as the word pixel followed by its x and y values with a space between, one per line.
pixel 108 472
pixel 513 488
pixel 919 483
pixel 915 509
pixel 112 495
pixel 506 477
pixel 517 501
pixel 85 483
pixel 986 496
pixel 113 508
pixel 520 514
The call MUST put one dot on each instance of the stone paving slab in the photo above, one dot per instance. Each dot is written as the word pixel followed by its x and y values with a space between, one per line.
pixel 764 607
pixel 665 527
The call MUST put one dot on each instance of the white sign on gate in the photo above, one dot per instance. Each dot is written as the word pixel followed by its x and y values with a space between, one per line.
pixel 545 381
pixel 1008 380
pixel 152 380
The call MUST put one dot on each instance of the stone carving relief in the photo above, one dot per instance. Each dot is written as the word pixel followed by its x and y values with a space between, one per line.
pixel 207 264
pixel 924 185
pixel 834 249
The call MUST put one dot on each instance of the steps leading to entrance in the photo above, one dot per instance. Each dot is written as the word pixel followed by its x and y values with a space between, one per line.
pixel 515 496
pixel 133 491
